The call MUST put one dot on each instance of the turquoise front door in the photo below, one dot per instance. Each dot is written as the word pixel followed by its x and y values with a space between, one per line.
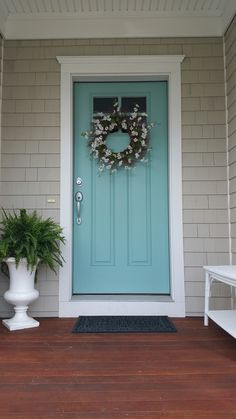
pixel 121 243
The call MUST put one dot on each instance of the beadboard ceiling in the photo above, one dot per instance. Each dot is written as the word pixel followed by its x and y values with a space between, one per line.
pixel 40 19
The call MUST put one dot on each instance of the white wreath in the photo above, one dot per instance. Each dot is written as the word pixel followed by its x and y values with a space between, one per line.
pixel 106 123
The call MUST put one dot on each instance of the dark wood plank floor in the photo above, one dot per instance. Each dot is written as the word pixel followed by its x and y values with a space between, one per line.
pixel 49 372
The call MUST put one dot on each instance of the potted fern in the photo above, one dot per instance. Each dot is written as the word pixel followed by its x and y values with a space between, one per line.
pixel 27 240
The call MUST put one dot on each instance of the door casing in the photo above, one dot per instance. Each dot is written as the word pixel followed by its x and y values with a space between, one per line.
pixel 123 68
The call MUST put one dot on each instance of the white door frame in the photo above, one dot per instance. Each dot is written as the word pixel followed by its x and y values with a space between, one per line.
pixel 123 68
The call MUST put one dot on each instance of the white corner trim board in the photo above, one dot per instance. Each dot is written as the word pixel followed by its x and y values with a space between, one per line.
pixel 123 68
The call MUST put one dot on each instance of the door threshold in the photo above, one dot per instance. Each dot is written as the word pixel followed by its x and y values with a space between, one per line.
pixel 114 305
pixel 122 297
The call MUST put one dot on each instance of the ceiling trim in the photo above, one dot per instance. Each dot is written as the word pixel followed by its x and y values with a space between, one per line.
pixel 104 21
pixel 111 27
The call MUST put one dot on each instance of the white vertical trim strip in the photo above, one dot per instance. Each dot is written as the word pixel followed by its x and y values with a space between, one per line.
pixel 123 68
pixel 175 177
pixel 227 157
pixel 66 188
pixel 1 83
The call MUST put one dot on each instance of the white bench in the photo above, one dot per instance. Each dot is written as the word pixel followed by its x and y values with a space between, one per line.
pixel 224 318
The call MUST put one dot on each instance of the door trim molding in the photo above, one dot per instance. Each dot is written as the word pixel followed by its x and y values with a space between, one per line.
pixel 123 68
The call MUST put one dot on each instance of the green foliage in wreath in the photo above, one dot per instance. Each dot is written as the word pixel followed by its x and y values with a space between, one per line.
pixel 134 124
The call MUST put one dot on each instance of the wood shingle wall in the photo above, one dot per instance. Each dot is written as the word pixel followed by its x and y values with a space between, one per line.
pixel 31 145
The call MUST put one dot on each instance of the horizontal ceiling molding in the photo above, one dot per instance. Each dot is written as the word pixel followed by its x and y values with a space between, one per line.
pixel 112 27
pixel 42 19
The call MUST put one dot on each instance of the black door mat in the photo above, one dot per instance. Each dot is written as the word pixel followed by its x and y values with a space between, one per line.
pixel 122 324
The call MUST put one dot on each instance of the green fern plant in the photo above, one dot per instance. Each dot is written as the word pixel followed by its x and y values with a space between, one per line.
pixel 28 235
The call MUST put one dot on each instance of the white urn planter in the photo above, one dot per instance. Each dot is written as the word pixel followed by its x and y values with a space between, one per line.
pixel 21 293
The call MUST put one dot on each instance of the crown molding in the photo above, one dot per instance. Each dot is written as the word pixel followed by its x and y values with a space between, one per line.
pixel 116 24
pixel 111 27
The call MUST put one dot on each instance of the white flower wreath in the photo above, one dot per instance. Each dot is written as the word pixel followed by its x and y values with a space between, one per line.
pixel 106 123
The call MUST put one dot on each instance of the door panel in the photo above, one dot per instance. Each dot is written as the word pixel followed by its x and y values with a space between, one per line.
pixel 122 243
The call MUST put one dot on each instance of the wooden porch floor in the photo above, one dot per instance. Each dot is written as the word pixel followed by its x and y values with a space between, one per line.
pixel 49 372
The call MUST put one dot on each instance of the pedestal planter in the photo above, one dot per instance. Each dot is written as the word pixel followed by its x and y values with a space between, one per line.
pixel 21 293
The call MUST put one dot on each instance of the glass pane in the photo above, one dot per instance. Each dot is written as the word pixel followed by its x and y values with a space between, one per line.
pixel 128 104
pixel 103 104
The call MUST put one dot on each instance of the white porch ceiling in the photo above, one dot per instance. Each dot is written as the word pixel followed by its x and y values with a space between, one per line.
pixel 32 19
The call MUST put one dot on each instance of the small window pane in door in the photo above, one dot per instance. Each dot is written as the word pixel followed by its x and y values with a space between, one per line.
pixel 128 104
pixel 103 104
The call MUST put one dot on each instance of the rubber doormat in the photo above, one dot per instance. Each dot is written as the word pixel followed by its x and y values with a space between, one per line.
pixel 123 324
